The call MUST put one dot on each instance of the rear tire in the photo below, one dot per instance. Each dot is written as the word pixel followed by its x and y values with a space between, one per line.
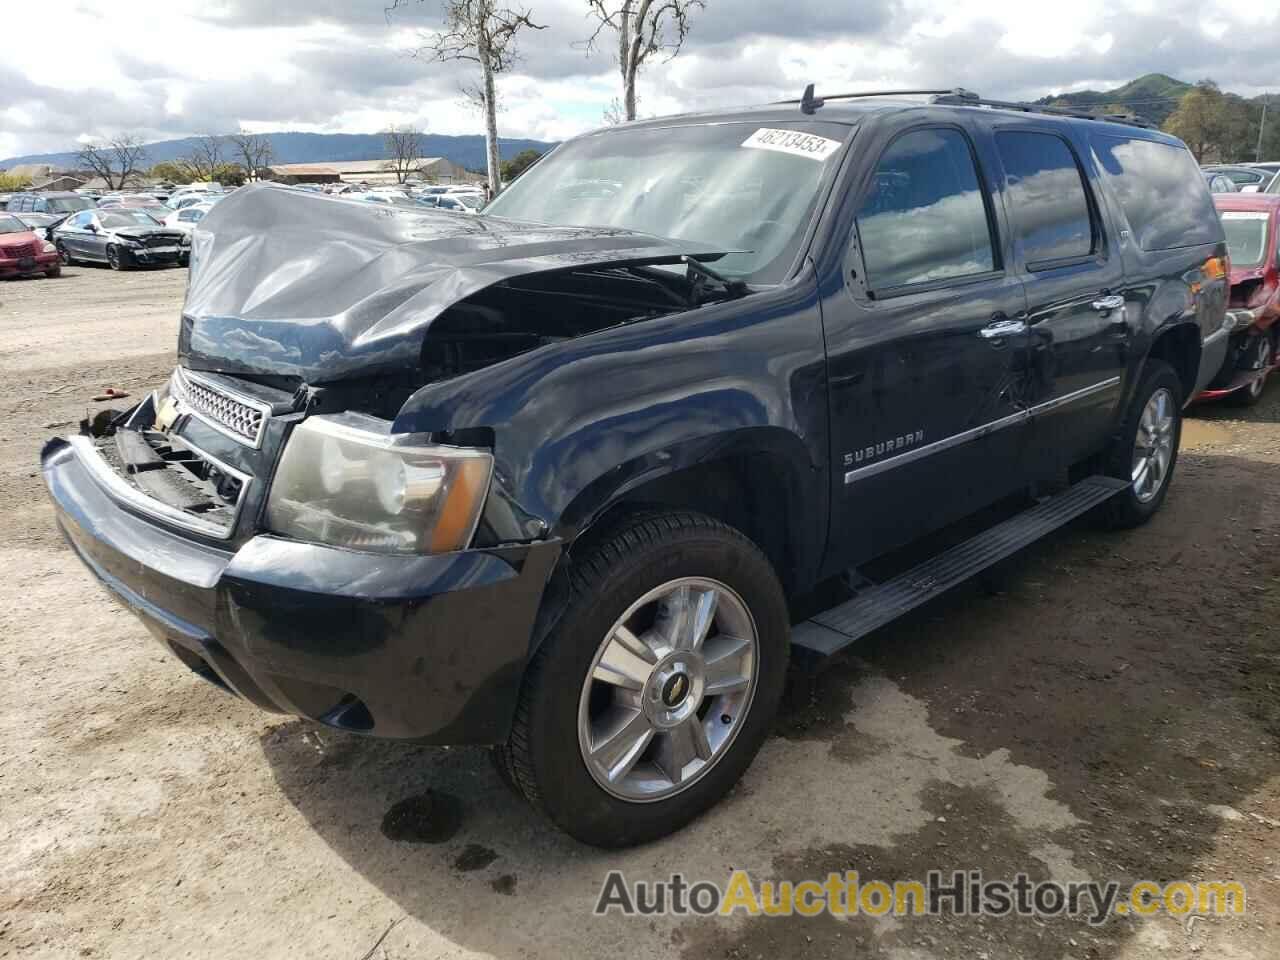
pixel 1147 460
pixel 53 273
pixel 701 707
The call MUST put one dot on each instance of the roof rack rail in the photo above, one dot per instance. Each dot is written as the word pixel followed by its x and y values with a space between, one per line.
pixel 809 102
pixel 959 97
pixel 964 98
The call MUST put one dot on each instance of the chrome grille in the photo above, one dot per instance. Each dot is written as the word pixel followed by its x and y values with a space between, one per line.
pixel 239 417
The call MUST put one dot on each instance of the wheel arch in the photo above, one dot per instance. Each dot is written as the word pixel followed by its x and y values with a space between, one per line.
pixel 760 481
pixel 1179 346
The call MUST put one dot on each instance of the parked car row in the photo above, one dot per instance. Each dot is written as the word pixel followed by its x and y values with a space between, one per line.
pixel 1242 177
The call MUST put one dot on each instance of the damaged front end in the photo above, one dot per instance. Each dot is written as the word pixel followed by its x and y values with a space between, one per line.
pixel 261 515
pixel 362 305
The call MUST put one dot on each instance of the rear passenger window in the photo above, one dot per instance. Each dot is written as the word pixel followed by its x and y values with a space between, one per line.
pixel 1162 191
pixel 1050 209
pixel 925 218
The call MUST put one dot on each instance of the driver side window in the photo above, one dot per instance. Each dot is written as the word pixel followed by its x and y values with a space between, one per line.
pixel 924 218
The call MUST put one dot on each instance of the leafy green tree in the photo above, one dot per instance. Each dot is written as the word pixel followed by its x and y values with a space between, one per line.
pixel 518 164
pixel 229 175
pixel 10 182
pixel 1214 125
pixel 168 171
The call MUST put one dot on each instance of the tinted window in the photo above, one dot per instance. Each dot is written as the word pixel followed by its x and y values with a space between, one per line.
pixel 924 217
pixel 1162 191
pixel 1050 209
pixel 10 224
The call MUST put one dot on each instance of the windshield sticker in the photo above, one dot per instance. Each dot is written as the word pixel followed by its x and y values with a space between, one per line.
pixel 1244 215
pixel 793 142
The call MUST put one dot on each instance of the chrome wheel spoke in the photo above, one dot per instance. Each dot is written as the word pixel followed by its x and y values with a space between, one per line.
pixel 725 670
pixel 626 662
pixel 687 616
pixel 625 737
pixel 681 746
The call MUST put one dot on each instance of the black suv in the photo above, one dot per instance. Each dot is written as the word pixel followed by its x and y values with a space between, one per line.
pixel 509 480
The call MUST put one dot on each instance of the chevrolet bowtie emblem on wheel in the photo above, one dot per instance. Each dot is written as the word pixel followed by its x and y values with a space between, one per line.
pixel 675 690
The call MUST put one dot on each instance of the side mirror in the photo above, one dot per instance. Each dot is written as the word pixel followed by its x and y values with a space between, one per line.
pixel 91 227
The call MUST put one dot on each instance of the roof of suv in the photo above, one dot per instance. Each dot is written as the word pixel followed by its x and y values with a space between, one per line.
pixel 855 109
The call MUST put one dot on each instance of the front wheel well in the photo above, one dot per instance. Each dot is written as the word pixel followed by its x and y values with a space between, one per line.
pixel 753 493
pixel 1179 346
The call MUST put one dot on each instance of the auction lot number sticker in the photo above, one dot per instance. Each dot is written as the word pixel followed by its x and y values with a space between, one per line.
pixel 793 142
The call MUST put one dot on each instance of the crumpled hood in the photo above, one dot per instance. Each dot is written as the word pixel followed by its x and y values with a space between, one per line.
pixel 295 283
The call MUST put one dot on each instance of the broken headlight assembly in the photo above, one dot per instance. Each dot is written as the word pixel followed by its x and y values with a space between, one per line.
pixel 345 480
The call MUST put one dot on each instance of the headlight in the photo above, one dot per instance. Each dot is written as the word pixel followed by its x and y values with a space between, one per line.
pixel 345 480
pixel 186 240
pixel 48 247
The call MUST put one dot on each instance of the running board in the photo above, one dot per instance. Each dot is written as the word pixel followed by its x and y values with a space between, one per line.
pixel 875 606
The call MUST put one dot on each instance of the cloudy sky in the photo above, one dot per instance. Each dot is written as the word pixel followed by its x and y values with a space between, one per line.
pixel 212 66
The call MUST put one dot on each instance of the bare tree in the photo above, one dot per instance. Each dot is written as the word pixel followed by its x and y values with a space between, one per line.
pixel 404 149
pixel 482 32
pixel 644 28
pixel 254 151
pixel 204 159
pixel 116 160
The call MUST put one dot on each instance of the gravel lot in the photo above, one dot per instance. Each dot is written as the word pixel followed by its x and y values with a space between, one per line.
pixel 1112 711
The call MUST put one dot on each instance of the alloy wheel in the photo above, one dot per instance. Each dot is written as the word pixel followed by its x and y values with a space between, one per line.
pixel 1264 367
pixel 668 690
pixel 1153 445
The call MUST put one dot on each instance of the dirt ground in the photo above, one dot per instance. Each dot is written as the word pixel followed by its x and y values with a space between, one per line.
pixel 1112 712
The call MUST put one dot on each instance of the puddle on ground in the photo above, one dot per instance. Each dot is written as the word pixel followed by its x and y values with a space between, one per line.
pixel 431 817
pixel 1201 434
pixel 474 857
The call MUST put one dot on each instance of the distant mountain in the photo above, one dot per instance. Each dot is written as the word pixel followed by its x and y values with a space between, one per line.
pixel 1152 97
pixel 321 147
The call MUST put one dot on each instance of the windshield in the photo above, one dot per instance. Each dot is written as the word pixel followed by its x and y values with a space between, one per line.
pixel 469 200
pixel 128 218
pixel 10 224
pixel 1246 237
pixel 67 204
pixel 734 186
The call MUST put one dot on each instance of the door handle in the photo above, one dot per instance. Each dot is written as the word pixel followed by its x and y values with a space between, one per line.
pixel 1002 328
pixel 1111 302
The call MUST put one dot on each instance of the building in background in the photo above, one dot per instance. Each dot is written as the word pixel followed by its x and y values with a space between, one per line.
pixel 429 170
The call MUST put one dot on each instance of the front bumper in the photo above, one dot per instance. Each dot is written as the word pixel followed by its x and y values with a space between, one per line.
pixel 430 648
pixel 156 254
pixel 10 266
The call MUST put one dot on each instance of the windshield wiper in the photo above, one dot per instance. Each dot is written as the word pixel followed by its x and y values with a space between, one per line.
pixel 699 275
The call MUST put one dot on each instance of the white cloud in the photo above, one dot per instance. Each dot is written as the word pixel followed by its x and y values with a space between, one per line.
pixel 341 66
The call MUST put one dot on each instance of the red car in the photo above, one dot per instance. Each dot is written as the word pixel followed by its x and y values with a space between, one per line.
pixel 1250 221
pixel 24 252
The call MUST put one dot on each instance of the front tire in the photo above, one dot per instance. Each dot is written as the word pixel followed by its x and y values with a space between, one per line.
pixel 63 255
pixel 657 685
pixel 116 259
pixel 1145 451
